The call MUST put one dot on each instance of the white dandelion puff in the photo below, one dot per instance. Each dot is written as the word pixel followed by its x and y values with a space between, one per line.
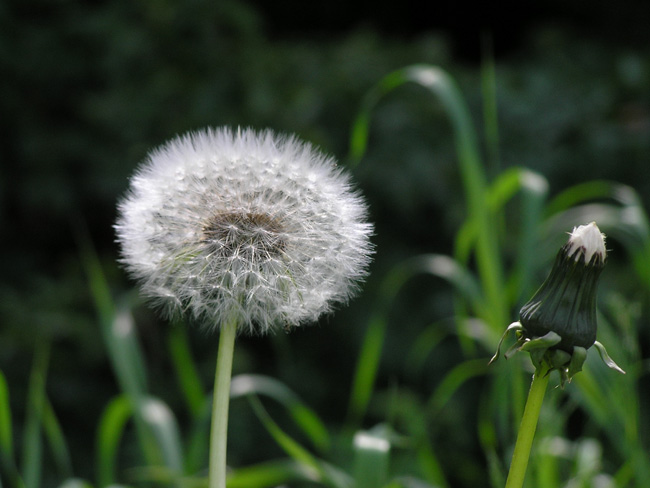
pixel 244 226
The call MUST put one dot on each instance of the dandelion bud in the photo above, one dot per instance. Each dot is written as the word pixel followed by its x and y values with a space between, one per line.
pixel 243 226
pixel 558 324
pixel 566 302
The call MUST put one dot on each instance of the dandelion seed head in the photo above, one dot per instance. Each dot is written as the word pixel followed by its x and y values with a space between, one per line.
pixel 247 226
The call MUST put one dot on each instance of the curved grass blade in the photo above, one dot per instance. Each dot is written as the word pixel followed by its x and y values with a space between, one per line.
pixel 158 419
pixel 436 265
pixel 409 412
pixel 423 345
pixel 119 333
pixel 303 416
pixel 323 472
pixel 270 474
pixel 454 380
pixel 111 429
pixel 438 82
pixel 161 421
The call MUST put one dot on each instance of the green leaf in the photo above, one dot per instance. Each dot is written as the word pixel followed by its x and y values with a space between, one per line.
pixel 371 458
pixel 303 416
pixel 111 429
pixel 161 421
pixel 32 441
pixel 437 265
pixel 270 474
pixel 454 380
pixel 317 469
pixel 6 435
pixel 185 369
pixel 56 440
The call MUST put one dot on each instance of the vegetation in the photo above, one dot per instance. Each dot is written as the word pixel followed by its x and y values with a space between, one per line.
pixel 474 175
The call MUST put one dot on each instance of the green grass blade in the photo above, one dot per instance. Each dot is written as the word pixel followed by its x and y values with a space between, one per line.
pixel 7 459
pixel 119 333
pixel 367 366
pixel 371 458
pixel 56 440
pixel 290 446
pixel 323 472
pixel 304 417
pixel 6 431
pixel 185 369
pixel 438 82
pixel 162 423
pixel 437 265
pixel 110 431
pixel 270 474
pixel 409 413
pixel 196 454
pixel 454 380
pixel 32 442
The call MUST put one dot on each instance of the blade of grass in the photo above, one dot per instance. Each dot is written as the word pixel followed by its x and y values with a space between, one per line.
pixel 185 369
pixel 7 458
pixel 6 432
pixel 454 380
pixel 56 440
pixel 161 421
pixel 437 82
pixel 303 416
pixel 32 442
pixel 118 330
pixel 436 265
pixel 270 474
pixel 371 458
pixel 323 472
pixel 110 431
pixel 290 446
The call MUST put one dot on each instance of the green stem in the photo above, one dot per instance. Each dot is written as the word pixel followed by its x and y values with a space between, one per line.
pixel 527 429
pixel 220 403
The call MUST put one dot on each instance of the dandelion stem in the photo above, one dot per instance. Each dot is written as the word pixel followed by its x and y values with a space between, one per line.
pixel 220 404
pixel 527 428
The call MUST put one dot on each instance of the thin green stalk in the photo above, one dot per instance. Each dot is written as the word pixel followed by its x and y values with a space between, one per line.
pixel 220 404
pixel 527 429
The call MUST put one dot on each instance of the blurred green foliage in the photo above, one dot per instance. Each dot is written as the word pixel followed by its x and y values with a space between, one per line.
pixel 88 88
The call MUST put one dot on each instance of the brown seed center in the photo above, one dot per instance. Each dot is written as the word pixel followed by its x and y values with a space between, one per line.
pixel 255 237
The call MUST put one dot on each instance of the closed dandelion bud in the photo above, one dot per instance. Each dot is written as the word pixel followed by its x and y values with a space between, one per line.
pixel 558 325
pixel 566 301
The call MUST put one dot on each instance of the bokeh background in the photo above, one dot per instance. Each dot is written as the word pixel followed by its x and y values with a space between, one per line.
pixel 88 87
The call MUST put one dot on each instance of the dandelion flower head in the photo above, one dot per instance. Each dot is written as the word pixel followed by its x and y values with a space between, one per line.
pixel 244 226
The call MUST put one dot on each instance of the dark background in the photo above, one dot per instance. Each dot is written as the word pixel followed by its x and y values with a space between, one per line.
pixel 87 88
